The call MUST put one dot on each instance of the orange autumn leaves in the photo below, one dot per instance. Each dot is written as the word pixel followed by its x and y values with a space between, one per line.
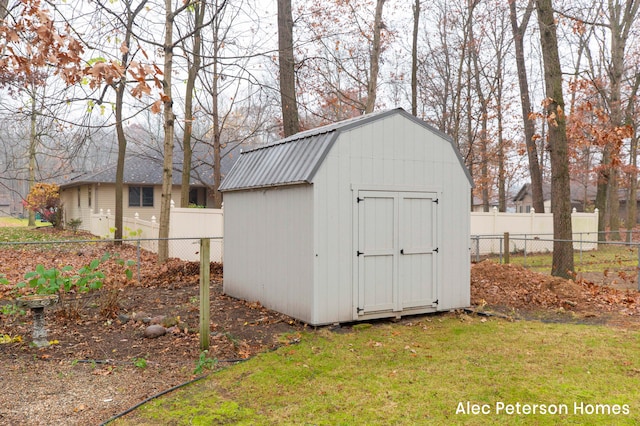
pixel 31 42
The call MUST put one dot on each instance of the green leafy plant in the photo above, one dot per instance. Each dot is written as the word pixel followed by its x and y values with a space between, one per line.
pixel 128 233
pixel 204 362
pixel 47 281
pixel 57 280
pixel 140 363
pixel 11 309
pixel 89 277
pixel 132 233
pixel 126 264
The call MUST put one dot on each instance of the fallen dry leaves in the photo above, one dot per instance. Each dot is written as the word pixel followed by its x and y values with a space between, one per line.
pixel 515 287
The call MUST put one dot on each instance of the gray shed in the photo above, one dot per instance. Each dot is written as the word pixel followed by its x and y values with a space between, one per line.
pixel 366 218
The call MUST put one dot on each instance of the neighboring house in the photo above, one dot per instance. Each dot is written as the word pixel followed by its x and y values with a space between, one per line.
pixel 12 191
pixel 478 205
pixel 89 193
pixel 581 197
pixel 5 204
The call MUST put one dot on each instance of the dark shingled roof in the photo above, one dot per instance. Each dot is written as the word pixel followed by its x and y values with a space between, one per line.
pixel 147 170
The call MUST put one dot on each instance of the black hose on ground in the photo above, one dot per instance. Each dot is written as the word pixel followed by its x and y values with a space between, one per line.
pixel 151 398
pixel 117 416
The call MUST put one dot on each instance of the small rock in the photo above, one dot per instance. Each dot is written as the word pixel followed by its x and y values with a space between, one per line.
pixel 141 316
pixel 123 318
pixel 154 331
pixel 158 319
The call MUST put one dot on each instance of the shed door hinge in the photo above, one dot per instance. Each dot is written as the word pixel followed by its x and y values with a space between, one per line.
pixel 359 310
pixel 437 201
pixel 436 302
pixel 359 253
pixel 436 249
pixel 359 199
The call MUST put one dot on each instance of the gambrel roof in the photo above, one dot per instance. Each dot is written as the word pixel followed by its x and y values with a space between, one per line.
pixel 296 159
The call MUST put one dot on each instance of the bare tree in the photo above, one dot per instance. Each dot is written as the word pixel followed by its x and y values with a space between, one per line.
pixel 621 19
pixel 535 171
pixel 555 114
pixel 414 58
pixel 374 63
pixel 169 119
pixel 3 8
pixel 192 74
pixel 287 69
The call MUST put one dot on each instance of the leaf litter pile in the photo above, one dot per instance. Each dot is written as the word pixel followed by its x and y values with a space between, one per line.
pixel 519 292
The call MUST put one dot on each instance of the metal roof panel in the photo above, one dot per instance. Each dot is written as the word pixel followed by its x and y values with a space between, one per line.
pixel 287 162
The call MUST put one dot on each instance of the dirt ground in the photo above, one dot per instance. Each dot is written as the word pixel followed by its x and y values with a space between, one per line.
pixel 100 364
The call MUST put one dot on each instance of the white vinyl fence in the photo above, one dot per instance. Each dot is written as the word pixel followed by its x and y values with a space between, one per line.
pixel 531 231
pixel 186 226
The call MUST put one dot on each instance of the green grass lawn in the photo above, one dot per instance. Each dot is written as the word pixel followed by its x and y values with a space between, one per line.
pixel 14 221
pixel 16 230
pixel 423 372
pixel 606 257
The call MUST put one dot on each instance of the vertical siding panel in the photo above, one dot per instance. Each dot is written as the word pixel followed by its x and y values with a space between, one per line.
pixel 269 248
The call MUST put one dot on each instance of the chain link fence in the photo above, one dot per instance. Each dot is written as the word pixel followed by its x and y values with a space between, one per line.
pixel 601 258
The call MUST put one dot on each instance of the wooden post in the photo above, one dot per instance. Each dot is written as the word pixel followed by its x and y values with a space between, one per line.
pixel 506 248
pixel 205 256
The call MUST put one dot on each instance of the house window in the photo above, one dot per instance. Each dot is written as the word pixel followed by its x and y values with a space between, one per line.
pixel 196 197
pixel 89 194
pixel 78 197
pixel 140 196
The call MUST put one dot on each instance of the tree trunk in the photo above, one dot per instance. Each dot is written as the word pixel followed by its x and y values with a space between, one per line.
pixel 560 191
pixel 525 103
pixel 414 59
pixel 621 19
pixel 374 63
pixel 169 123
pixel 122 151
pixel 217 176
pixel 502 179
pixel 188 107
pixel 484 119
pixel 614 205
pixel 633 187
pixel 120 88
pixel 286 62
pixel 632 176
pixel 33 143
pixel 3 8
pixel 601 193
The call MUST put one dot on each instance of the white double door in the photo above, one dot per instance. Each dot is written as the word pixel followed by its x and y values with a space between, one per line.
pixel 396 250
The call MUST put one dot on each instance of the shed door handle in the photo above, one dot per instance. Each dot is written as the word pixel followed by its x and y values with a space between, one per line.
pixel 401 251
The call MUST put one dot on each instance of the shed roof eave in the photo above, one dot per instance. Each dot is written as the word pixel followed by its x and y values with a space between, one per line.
pixel 270 186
